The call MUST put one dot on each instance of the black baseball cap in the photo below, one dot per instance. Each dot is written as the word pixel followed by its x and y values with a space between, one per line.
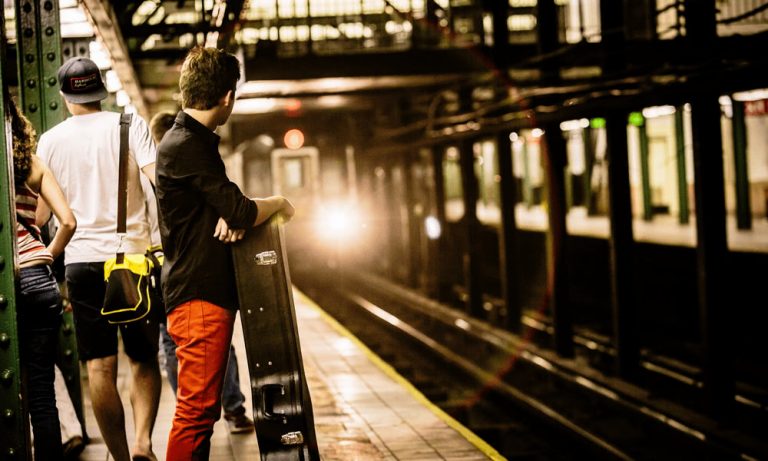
pixel 80 81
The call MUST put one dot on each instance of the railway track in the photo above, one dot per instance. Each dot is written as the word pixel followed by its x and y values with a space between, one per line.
pixel 513 395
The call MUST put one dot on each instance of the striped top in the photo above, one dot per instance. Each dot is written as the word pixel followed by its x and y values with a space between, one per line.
pixel 31 250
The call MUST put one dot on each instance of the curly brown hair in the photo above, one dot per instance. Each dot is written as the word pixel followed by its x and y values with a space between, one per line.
pixel 206 76
pixel 23 142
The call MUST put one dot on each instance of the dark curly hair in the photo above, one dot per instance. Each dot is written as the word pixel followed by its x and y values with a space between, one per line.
pixel 206 76
pixel 23 141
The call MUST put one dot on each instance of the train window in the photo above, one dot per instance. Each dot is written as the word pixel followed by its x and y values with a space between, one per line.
pixel 293 174
pixel 454 191
pixel 526 154
pixel 585 147
pixel 745 148
pixel 487 171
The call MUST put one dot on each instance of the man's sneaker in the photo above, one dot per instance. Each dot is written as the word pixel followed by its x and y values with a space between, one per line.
pixel 239 424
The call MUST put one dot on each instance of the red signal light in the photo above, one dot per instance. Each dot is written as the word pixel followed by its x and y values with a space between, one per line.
pixel 293 138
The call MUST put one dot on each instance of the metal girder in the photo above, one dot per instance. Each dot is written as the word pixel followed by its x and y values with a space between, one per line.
pixel 39 53
pixel 14 425
pixel 103 17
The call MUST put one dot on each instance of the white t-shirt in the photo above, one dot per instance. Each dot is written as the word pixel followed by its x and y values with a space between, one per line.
pixel 83 153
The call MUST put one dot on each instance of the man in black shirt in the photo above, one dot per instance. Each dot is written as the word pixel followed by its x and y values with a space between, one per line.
pixel 195 197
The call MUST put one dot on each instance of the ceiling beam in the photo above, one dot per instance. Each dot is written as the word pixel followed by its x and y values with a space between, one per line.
pixel 103 18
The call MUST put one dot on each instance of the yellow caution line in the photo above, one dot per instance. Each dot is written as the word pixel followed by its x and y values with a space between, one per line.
pixel 471 437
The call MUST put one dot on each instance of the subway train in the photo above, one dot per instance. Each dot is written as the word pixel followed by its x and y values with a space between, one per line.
pixel 399 213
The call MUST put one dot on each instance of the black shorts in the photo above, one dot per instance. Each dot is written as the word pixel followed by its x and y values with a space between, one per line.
pixel 97 338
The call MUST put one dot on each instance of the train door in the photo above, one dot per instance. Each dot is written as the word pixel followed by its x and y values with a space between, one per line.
pixel 296 175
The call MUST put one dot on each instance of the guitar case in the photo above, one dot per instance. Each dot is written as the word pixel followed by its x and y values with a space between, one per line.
pixel 282 408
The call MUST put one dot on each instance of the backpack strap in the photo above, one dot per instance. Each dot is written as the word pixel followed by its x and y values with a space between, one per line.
pixel 122 180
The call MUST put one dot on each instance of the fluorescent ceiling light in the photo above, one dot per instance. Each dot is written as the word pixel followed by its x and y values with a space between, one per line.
pixel 754 95
pixel 254 106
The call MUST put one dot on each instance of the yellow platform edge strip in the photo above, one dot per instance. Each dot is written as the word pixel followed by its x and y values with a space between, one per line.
pixel 470 436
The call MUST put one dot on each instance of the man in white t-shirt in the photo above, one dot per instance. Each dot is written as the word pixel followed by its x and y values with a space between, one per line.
pixel 83 152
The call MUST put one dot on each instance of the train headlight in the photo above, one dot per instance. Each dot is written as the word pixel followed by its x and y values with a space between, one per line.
pixel 341 223
pixel 432 227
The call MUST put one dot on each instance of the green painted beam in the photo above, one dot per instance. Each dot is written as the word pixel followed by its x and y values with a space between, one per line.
pixel 682 177
pixel 14 425
pixel 645 173
pixel 740 167
pixel 39 56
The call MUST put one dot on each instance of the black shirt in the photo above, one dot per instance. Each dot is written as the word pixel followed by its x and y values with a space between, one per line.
pixel 193 191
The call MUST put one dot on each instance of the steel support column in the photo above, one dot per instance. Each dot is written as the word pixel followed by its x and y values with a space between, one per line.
pixel 472 243
pixel 682 175
pixel 39 53
pixel 740 166
pixel 14 427
pixel 555 161
pixel 711 237
pixel 414 220
pixel 620 246
pixel 40 56
pixel 508 233
pixel 472 253
pixel 438 247
pixel 645 173
pixel 711 250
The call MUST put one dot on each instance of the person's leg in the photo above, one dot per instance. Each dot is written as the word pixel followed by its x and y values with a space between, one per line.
pixel 202 332
pixel 145 399
pixel 107 406
pixel 71 430
pixel 39 318
pixel 231 398
pixel 97 347
pixel 171 364
pixel 70 425
pixel 141 346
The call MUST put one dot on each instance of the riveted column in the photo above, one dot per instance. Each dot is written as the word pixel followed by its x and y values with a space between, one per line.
pixel 621 244
pixel 38 33
pixel 438 246
pixel 717 331
pixel 14 425
pixel 557 239
pixel 508 260
pixel 39 53
pixel 472 241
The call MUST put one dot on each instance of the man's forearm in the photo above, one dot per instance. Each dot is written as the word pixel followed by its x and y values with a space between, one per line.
pixel 267 207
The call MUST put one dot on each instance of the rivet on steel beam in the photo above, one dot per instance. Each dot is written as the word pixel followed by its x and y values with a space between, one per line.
pixel 27 7
pixel 5 340
pixel 49 31
pixel 8 413
pixel 3 301
pixel 51 56
pixel 11 453
pixel 68 353
pixel 33 107
pixel 51 81
pixel 53 105
pixel 28 32
pixel 31 83
pixel 6 377
pixel 48 6
pixel 29 57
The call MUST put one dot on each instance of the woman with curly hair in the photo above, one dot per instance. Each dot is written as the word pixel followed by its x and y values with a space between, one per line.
pixel 39 301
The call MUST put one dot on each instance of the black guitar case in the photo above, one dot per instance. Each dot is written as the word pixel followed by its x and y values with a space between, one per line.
pixel 282 408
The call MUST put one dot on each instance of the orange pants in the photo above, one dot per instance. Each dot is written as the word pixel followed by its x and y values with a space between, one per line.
pixel 202 332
